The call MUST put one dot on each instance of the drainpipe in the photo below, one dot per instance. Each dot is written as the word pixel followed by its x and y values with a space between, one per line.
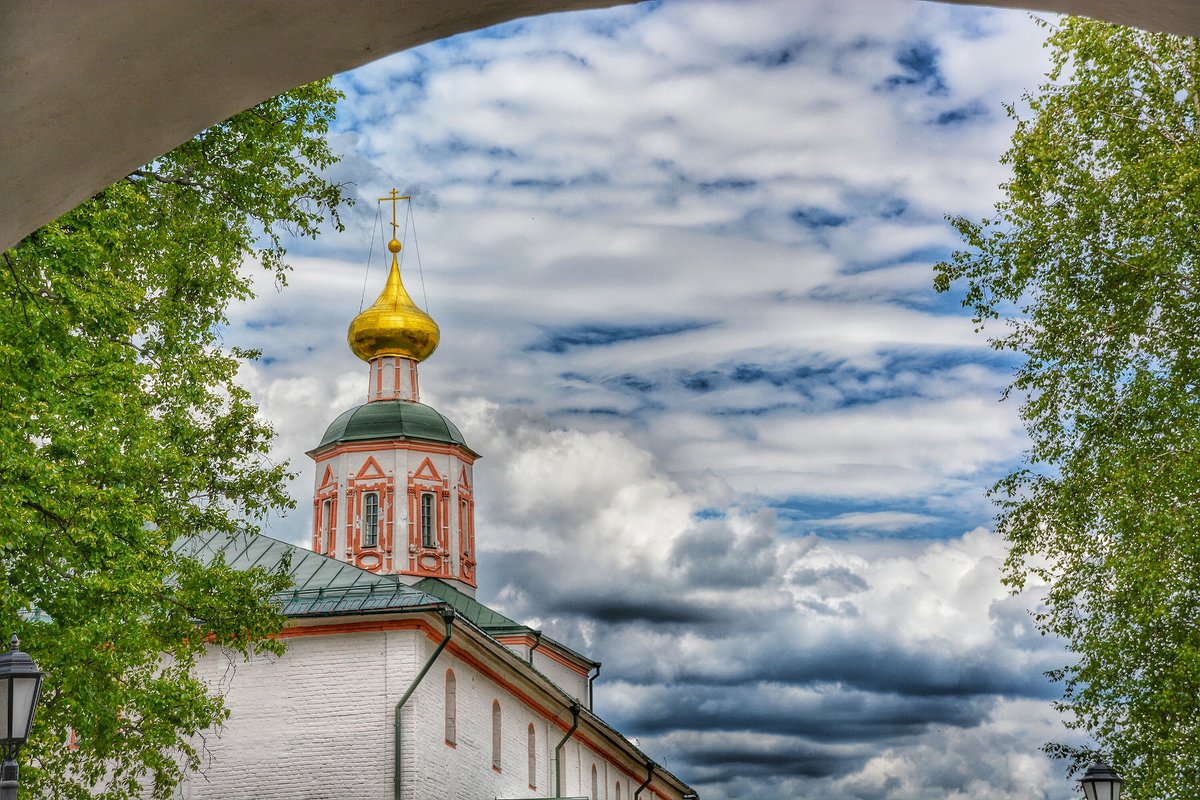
pixel 558 751
pixel 649 777
pixel 537 640
pixel 448 618
pixel 591 697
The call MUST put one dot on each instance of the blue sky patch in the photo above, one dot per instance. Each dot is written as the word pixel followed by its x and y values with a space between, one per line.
pixel 632 382
pixel 781 57
pixel 564 339
pixel 814 217
pixel 966 113
pixel 839 519
pixel 728 184
pixel 919 63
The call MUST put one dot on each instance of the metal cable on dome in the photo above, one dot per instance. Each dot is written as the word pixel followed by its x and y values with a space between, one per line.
pixel 417 248
pixel 371 252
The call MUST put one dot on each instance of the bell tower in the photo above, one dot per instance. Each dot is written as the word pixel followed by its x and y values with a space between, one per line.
pixel 393 489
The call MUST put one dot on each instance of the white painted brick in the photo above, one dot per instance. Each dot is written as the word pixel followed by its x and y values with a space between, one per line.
pixel 569 681
pixel 317 722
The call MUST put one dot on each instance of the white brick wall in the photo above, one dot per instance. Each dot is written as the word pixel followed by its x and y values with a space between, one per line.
pixel 317 722
pixel 314 723
pixel 568 680
pixel 465 770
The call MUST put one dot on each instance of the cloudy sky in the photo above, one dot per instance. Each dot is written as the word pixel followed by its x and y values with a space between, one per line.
pixel 734 445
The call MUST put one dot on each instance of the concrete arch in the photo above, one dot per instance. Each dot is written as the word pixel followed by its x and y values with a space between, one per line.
pixel 92 91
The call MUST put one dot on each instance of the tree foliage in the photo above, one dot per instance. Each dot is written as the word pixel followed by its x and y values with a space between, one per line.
pixel 124 428
pixel 1091 263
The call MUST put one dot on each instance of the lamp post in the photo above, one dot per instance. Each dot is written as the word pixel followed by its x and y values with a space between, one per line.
pixel 20 685
pixel 1101 782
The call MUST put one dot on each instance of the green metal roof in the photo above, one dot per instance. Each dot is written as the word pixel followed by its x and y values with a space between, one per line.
pixel 480 615
pixel 324 586
pixel 491 621
pixel 392 419
pixel 321 586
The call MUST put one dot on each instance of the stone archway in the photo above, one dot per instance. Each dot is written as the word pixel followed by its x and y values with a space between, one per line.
pixel 95 90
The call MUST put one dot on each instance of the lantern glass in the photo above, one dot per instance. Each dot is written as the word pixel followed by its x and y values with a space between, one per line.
pixel 1101 782
pixel 20 685
pixel 17 719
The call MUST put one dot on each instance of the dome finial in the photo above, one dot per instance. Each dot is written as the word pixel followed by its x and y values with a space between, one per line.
pixel 394 245
pixel 393 325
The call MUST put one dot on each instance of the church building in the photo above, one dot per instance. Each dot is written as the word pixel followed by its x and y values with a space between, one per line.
pixel 397 682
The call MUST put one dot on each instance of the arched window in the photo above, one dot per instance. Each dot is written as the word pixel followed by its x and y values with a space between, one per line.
pixel 451 710
pixel 370 527
pixel 326 527
pixel 464 529
pixel 533 758
pixel 595 784
pixel 331 530
pixel 428 521
pixel 496 735
pixel 618 795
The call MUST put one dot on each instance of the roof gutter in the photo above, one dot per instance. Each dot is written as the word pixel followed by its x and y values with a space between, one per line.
pixel 558 750
pixel 448 618
pixel 649 777
pixel 591 696
pixel 537 640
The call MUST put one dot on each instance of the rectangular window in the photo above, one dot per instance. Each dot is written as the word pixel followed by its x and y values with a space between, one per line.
pixel 428 521
pixel 370 527
pixel 330 528
pixel 325 527
pixel 463 531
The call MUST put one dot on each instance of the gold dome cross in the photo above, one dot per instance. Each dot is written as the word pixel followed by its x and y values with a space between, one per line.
pixel 394 196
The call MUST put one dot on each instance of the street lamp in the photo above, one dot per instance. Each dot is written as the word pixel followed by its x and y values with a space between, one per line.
pixel 1101 782
pixel 20 685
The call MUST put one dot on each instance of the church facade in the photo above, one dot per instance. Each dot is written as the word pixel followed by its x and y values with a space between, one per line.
pixel 396 681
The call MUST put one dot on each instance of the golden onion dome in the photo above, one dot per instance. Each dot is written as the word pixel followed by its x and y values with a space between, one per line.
pixel 393 325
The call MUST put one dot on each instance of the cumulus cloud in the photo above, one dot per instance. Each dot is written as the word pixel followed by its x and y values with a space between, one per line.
pixel 817 654
pixel 734 445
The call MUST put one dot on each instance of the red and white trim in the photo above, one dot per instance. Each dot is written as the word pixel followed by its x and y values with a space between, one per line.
pixel 393 378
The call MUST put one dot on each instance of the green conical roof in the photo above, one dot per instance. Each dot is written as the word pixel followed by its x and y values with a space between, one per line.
pixel 393 419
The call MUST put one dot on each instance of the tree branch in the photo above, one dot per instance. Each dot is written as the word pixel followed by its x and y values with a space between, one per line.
pixel 158 176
